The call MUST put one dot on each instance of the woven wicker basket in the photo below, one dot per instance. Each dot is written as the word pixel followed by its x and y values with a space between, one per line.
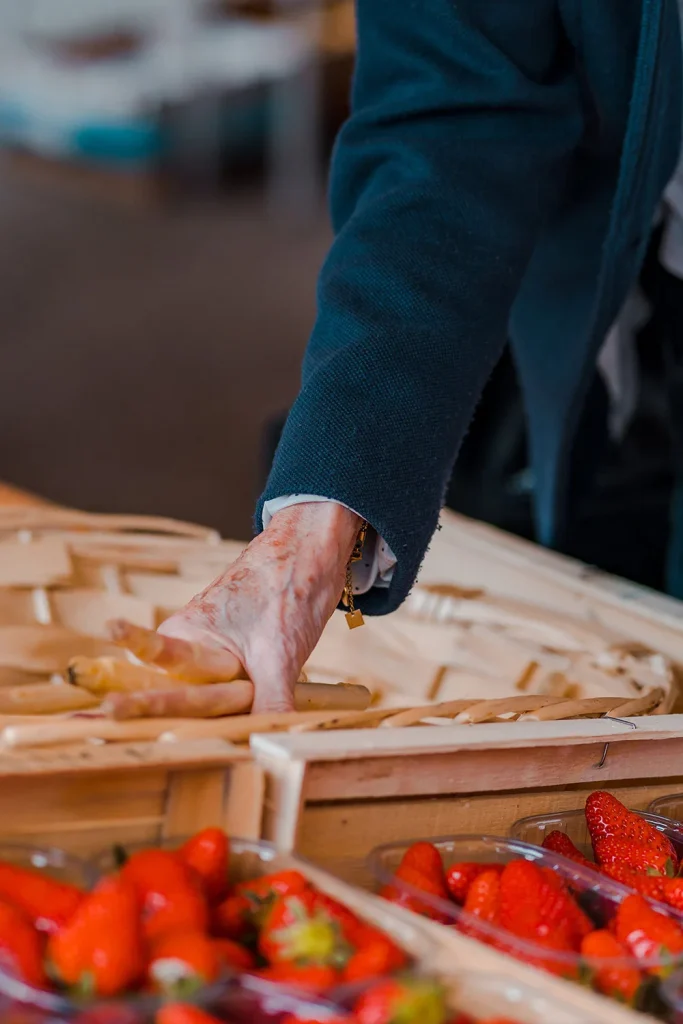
pixel 64 574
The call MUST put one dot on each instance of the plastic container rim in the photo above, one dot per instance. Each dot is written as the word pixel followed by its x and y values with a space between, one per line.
pixel 614 891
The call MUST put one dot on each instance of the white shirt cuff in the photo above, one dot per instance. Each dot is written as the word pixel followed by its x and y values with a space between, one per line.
pixel 375 569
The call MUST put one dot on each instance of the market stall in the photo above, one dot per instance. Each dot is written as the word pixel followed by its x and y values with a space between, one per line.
pixel 514 683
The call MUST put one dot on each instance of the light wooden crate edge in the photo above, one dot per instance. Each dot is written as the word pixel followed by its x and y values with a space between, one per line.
pixel 403 781
pixel 130 796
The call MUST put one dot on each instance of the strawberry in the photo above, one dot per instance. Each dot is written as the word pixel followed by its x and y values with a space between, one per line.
pixel 424 857
pixel 233 919
pixel 650 886
pixel 244 912
pixel 580 923
pixel 47 902
pixel 375 957
pixel 315 978
pixel 416 879
pixel 181 962
pixel 21 951
pixel 615 980
pixel 558 957
pixel 100 949
pixel 672 892
pixel 559 842
pixel 349 923
pixel 207 853
pixel 170 893
pixel 233 956
pixel 183 1013
pixel 534 904
pixel 639 857
pixel 647 933
pixel 483 897
pixel 299 930
pixel 267 888
pixel 397 1001
pixel 606 816
pixel 460 876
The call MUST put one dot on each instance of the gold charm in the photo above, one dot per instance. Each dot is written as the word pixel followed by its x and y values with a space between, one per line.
pixel 354 616
pixel 355 619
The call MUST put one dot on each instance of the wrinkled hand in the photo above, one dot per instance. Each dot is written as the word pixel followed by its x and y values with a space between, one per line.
pixel 269 608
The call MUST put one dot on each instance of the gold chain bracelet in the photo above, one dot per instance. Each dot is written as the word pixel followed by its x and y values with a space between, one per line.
pixel 354 616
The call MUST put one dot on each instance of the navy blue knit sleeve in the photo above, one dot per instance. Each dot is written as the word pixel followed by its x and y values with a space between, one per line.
pixel 465 113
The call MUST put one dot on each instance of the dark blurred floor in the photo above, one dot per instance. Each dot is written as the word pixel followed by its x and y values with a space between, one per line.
pixel 141 352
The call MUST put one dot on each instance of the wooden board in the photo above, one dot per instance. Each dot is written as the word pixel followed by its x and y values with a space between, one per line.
pixel 474 554
pixel 337 792
pixel 84 799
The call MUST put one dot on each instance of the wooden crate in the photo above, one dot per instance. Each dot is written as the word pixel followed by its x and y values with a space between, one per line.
pixel 86 797
pixel 472 554
pixel 333 797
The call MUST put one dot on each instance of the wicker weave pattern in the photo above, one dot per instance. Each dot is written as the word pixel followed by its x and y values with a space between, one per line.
pixel 64 574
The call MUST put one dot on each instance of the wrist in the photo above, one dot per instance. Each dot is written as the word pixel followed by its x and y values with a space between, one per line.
pixel 323 527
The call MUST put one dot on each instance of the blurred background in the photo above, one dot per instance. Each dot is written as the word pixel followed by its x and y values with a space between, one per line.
pixel 162 214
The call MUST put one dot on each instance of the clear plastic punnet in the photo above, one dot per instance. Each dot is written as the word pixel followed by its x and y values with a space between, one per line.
pixel 534 829
pixel 596 895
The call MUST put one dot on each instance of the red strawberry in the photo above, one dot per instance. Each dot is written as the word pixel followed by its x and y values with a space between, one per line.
pixel 233 919
pixel 101 949
pixel 483 897
pixel 615 980
pixel 672 892
pixel 639 857
pixel 460 876
pixel 606 816
pixel 377 957
pixel 21 952
pixel 180 962
pixel 581 924
pixel 651 886
pixel 401 1001
pixel 424 860
pixel 425 857
pixel 647 933
pixel 559 842
pixel 536 906
pixel 416 880
pixel 233 956
pixel 299 930
pixel 207 853
pixel 560 957
pixel 352 927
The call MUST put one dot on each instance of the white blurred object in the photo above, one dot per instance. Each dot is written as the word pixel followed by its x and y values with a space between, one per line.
pixel 182 60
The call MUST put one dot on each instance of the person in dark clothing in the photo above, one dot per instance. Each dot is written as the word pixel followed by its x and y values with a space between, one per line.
pixel 498 178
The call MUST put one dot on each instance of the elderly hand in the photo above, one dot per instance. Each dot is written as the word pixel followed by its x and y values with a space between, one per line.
pixel 269 608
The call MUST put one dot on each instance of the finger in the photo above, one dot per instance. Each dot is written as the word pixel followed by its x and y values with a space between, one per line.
pixel 183 658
